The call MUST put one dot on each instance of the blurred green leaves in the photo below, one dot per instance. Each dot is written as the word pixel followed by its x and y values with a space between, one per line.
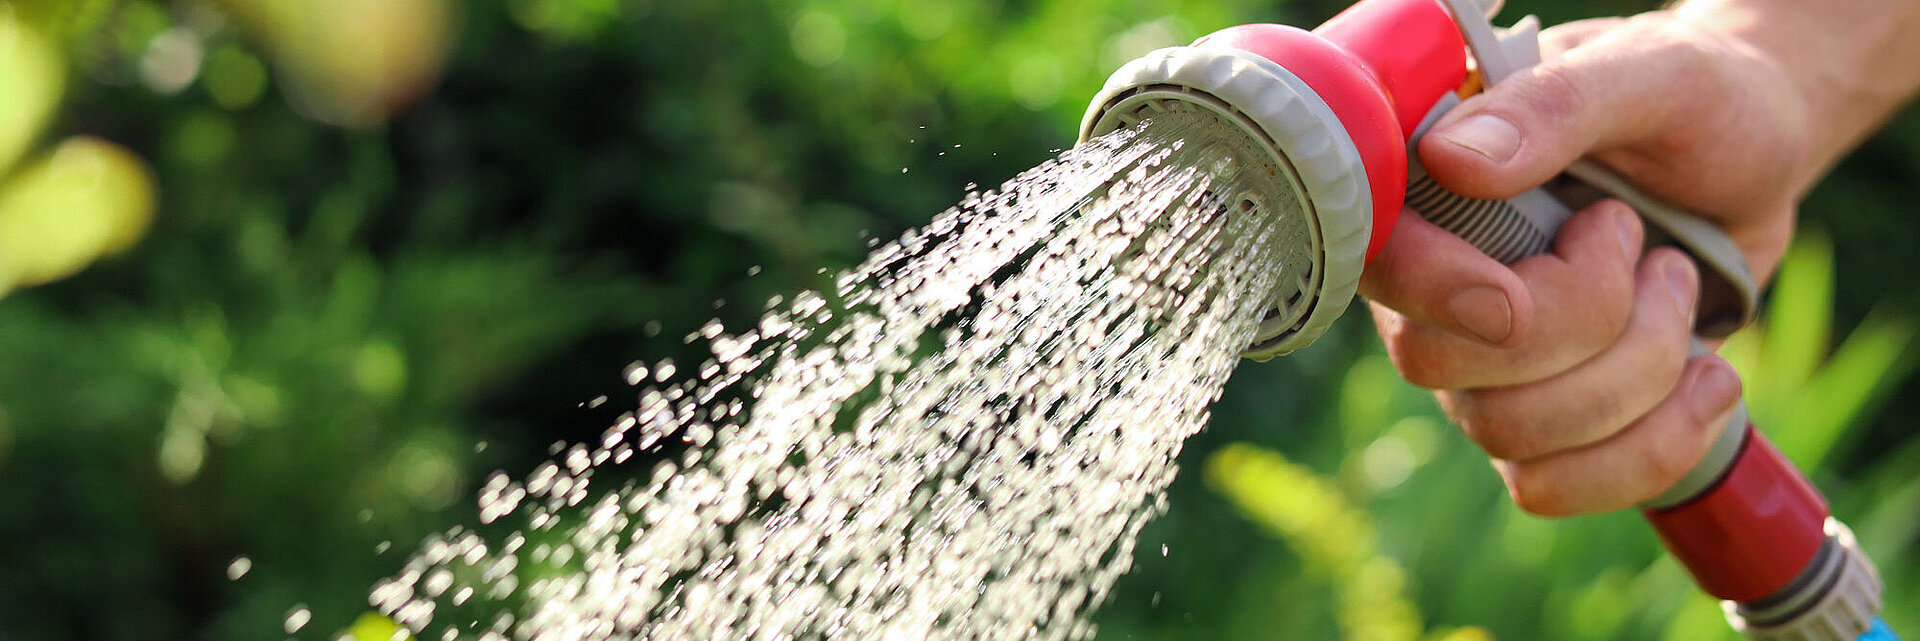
pixel 1805 397
pixel 328 335
pixel 1332 535
pixel 1584 578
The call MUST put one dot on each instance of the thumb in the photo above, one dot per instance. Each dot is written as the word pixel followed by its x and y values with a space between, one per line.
pixel 1523 131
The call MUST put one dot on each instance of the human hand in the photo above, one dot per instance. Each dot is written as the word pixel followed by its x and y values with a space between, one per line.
pixel 1570 368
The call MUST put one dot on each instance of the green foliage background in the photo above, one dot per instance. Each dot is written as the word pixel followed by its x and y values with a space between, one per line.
pixel 329 335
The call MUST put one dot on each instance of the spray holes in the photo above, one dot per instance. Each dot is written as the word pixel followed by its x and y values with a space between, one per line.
pixel 1304 283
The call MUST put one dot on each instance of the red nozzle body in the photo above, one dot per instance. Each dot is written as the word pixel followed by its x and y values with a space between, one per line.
pixel 1381 65
pixel 1411 47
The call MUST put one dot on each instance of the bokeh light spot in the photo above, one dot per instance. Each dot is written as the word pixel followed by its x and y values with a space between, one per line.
pixel 380 370
pixel 1140 39
pixel 201 139
pixel 1387 462
pixel 818 38
pixel 425 475
pixel 182 451
pixel 926 19
pixel 351 62
pixel 566 20
pixel 234 78
pixel 297 618
pixel 239 567
pixel 172 61
pixel 1422 435
pixel 1036 81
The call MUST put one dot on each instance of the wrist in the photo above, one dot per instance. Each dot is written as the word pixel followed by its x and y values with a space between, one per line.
pixel 1845 62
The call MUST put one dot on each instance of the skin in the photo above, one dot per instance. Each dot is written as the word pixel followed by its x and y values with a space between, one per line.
pixel 1570 369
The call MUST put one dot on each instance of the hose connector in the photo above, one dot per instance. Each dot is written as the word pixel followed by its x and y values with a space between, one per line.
pixel 1836 599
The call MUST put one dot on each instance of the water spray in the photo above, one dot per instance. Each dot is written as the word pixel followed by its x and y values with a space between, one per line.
pixel 1339 110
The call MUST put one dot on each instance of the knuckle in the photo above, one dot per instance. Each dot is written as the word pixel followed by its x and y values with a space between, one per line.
pixel 1665 466
pixel 1686 53
pixel 1508 445
pixel 1537 494
pixel 1554 93
pixel 1607 411
pixel 1420 365
pixel 1611 292
pixel 1659 344
pixel 1416 357
pixel 1677 456
pixel 1667 358
pixel 1499 433
pixel 1685 50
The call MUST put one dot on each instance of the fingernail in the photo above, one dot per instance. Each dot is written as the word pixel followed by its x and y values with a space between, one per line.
pixel 1680 279
pixel 1484 312
pixel 1487 134
pixel 1714 390
pixel 1629 225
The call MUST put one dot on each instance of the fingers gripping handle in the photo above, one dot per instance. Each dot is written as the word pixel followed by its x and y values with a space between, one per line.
pixel 1747 525
pixel 1524 225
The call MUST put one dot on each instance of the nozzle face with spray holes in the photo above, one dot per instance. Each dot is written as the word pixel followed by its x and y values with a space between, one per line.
pixel 1324 231
pixel 1332 108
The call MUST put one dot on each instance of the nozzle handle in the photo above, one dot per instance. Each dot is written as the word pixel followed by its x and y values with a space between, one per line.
pixel 1511 229
pixel 1744 521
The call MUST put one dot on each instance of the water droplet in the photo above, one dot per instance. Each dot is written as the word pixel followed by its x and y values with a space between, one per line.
pixel 239 568
pixel 1005 387
pixel 297 618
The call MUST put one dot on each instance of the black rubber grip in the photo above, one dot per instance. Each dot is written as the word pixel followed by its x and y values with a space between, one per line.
pixel 1495 226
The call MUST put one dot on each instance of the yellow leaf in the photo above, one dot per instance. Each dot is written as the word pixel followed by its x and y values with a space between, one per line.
pixel 88 198
pixel 31 76
pixel 373 627
pixel 352 62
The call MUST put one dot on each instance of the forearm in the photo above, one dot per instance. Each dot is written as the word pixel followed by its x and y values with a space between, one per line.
pixel 1856 61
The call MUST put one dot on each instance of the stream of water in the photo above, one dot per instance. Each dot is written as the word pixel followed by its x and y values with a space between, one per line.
pixel 961 439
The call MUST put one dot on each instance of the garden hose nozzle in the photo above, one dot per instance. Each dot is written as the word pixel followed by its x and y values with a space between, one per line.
pixel 1338 111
